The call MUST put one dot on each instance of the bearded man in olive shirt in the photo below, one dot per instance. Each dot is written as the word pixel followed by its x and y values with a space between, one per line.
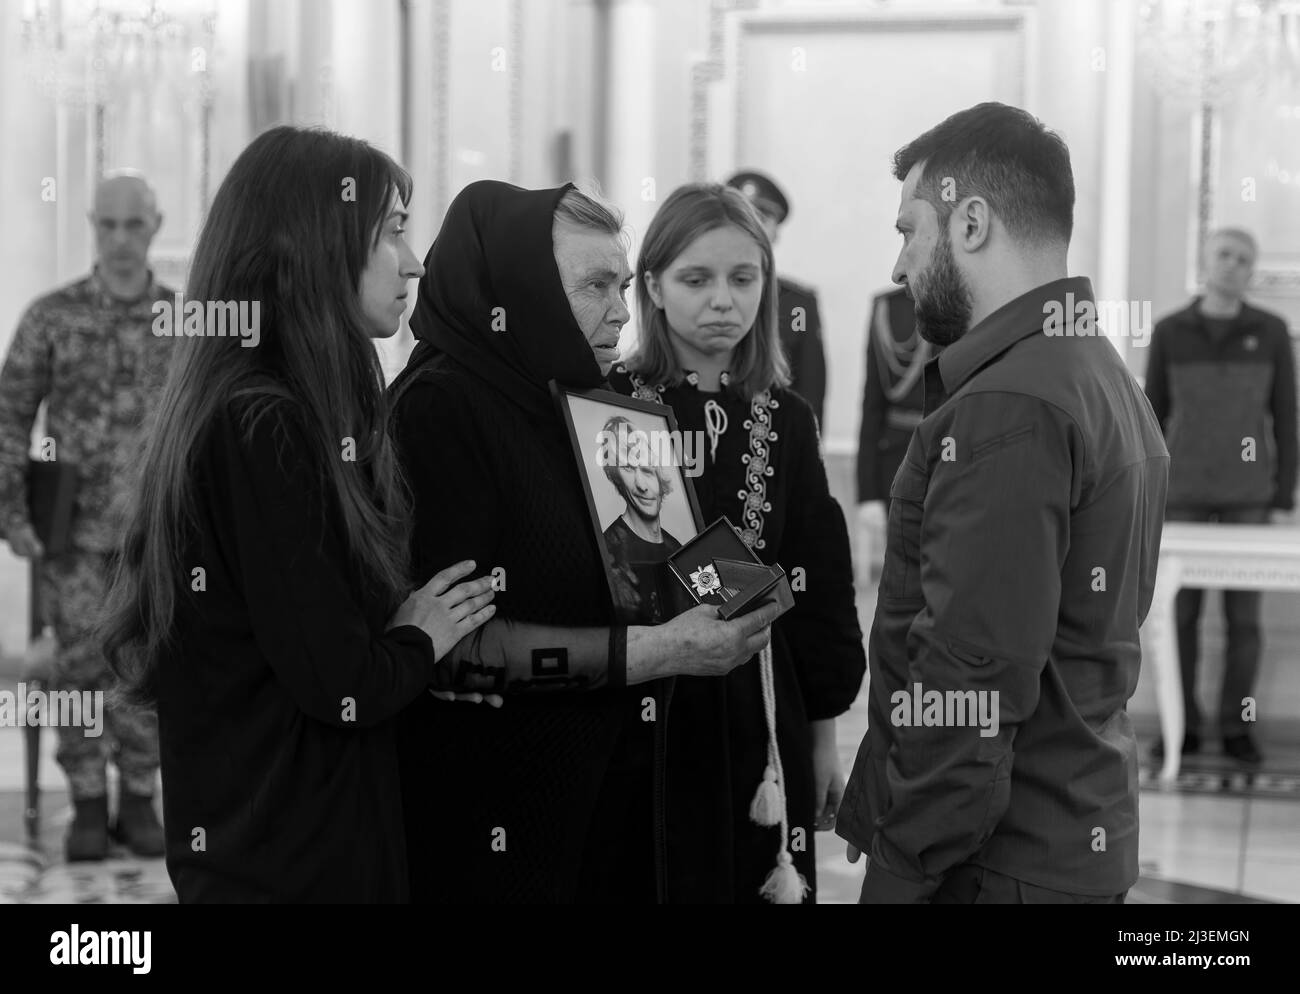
pixel 1000 765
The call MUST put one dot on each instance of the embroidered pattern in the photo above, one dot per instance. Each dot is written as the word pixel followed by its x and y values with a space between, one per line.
pixel 640 391
pixel 758 465
pixel 758 461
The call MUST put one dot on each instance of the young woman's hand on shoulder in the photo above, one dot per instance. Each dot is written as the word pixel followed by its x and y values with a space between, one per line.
pixel 447 611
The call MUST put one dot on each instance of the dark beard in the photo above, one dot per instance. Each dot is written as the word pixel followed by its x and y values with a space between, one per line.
pixel 943 301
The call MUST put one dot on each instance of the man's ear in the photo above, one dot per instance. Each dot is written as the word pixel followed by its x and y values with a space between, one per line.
pixel 157 223
pixel 974 221
pixel 654 289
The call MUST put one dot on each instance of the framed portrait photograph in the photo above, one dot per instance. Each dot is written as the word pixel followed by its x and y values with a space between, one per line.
pixel 642 503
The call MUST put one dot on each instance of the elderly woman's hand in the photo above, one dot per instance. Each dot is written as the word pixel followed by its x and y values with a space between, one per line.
pixel 698 643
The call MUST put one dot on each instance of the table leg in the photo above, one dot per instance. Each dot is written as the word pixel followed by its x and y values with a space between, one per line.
pixel 1161 632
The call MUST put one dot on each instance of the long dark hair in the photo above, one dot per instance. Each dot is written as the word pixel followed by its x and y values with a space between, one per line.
pixel 689 212
pixel 292 227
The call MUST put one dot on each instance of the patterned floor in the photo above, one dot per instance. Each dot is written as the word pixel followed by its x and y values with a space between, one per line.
pixel 1277 778
pixel 1197 845
pixel 1197 848
pixel 1223 835
pixel 38 874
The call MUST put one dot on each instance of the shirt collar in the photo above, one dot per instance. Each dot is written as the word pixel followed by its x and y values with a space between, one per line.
pixel 107 299
pixel 1246 315
pixel 1011 322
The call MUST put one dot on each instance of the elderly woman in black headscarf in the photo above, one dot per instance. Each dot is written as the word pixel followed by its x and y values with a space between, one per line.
pixel 557 796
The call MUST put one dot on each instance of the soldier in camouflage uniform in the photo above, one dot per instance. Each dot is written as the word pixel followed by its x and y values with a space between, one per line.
pixel 87 351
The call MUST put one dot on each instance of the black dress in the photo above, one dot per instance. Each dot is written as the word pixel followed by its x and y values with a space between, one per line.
pixel 275 703
pixel 767 477
pixel 550 798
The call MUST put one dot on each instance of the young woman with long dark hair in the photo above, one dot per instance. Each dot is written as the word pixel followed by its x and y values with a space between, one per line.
pixel 261 598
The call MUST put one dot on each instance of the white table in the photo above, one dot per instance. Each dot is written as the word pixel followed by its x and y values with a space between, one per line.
pixel 1214 556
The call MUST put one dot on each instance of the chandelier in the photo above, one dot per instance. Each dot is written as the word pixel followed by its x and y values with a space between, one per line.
pixel 96 52
pixel 1210 52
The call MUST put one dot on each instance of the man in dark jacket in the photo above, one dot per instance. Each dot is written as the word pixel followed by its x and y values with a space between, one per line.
pixel 892 404
pixel 1221 379
pixel 798 318
pixel 1000 764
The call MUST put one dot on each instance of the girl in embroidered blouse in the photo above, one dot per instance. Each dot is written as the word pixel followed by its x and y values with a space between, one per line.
pixel 706 295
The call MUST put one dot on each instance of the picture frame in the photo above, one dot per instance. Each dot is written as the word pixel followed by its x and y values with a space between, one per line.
pixel 640 498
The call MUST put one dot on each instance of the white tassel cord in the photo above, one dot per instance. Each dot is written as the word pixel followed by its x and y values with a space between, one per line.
pixel 784 884
pixel 768 806
pixel 715 422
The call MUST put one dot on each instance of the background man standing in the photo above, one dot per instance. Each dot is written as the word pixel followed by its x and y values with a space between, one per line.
pixel 892 404
pixel 1221 379
pixel 86 350
pixel 798 319
pixel 1033 492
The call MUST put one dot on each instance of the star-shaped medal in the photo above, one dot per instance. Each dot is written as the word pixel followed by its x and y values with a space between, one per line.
pixel 705 580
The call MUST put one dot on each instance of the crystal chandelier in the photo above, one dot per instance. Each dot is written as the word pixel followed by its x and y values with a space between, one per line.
pixel 1210 52
pixel 93 52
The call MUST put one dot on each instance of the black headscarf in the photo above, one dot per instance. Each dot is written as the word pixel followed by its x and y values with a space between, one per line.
pixel 495 251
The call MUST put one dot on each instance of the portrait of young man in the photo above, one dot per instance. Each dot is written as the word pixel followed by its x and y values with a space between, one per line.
pixel 638 543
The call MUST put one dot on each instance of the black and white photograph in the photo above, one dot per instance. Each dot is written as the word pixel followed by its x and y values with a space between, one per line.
pixel 634 468
pixel 581 453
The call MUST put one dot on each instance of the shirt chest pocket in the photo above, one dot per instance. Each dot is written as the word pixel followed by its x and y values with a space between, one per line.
pixel 900 579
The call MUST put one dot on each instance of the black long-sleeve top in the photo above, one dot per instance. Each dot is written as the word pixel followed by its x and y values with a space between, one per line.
pixel 278 761
pixel 501 805
pixel 1211 393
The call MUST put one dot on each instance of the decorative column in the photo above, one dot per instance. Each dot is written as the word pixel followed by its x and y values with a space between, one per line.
pixel 629 179
pixel 311 68
pixel 362 83
pixel 1116 172
pixel 29 258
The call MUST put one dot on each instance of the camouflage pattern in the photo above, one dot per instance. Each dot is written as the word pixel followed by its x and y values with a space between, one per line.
pixel 96 362
pixel 72 591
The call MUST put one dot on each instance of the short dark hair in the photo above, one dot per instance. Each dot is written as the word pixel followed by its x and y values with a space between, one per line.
pixel 1005 155
pixel 1241 234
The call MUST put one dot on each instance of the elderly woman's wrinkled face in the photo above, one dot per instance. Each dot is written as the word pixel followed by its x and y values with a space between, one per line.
pixel 595 273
